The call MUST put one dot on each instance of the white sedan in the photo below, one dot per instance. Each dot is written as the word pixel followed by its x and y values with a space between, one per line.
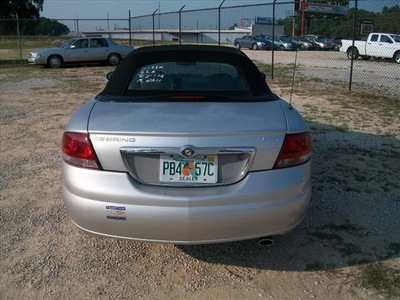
pixel 81 50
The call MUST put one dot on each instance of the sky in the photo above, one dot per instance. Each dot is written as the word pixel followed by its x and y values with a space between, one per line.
pixel 115 9
pixel 119 9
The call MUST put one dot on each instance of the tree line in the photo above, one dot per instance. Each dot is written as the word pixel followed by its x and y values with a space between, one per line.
pixel 385 21
pixel 28 14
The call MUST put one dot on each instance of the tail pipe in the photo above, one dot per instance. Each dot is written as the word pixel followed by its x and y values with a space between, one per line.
pixel 266 241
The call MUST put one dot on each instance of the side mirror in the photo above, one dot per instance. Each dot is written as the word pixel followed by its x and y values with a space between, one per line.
pixel 109 74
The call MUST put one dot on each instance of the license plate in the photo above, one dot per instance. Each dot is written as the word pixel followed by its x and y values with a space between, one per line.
pixel 197 169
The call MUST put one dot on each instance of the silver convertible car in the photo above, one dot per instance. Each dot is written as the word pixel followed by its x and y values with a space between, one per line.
pixel 186 145
pixel 81 50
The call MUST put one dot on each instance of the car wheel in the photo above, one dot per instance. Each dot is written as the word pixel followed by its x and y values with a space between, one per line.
pixel 254 47
pixel 397 57
pixel 281 47
pixel 114 59
pixel 238 46
pixel 54 61
pixel 352 53
pixel 302 47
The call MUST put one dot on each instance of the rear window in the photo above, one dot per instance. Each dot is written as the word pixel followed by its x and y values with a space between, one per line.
pixel 189 76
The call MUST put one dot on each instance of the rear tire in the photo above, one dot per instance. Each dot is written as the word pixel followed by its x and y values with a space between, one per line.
pixel 352 53
pixel 54 61
pixel 254 47
pixel 238 46
pixel 281 47
pixel 396 57
pixel 114 59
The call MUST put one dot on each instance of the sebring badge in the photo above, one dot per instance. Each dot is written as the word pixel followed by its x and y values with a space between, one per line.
pixel 187 152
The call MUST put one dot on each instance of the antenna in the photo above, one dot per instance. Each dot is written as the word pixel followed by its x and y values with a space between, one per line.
pixel 294 73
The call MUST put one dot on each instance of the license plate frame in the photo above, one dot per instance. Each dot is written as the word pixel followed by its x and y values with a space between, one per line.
pixel 201 169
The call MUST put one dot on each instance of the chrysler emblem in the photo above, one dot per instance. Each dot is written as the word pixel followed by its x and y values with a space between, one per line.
pixel 187 152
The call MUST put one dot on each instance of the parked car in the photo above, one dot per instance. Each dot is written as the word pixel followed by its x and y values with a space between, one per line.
pixel 378 45
pixel 251 42
pixel 81 50
pixel 338 43
pixel 325 43
pixel 280 43
pixel 186 144
pixel 287 40
pixel 305 43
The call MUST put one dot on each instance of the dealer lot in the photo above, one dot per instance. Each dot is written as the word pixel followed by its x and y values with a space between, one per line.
pixel 351 227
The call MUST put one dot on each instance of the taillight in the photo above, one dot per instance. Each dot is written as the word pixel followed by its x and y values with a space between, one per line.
pixel 77 150
pixel 296 149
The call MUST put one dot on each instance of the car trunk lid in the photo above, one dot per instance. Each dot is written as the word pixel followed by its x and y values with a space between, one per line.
pixel 252 132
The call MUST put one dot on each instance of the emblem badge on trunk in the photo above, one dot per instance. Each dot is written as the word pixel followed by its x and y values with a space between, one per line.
pixel 187 152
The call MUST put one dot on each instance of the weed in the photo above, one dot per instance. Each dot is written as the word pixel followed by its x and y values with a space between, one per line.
pixel 342 128
pixel 349 249
pixel 394 249
pixel 380 277
pixel 327 236
pixel 314 266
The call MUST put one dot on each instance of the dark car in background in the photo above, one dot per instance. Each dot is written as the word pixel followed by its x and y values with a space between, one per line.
pixel 338 43
pixel 279 43
pixel 288 40
pixel 252 42
pixel 305 43
pixel 325 43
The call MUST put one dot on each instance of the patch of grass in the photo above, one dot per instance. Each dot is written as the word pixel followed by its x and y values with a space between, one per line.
pixel 282 72
pixel 314 266
pixel 358 261
pixel 349 249
pixel 327 236
pixel 340 100
pixel 79 86
pixel 352 189
pixel 394 249
pixel 342 127
pixel 383 279
pixel 333 180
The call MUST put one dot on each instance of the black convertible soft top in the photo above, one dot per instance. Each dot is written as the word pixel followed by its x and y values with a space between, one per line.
pixel 120 79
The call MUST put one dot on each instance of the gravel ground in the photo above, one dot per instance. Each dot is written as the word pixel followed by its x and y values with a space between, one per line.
pixel 377 77
pixel 351 228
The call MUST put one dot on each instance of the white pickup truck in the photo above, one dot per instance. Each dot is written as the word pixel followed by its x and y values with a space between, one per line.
pixel 378 45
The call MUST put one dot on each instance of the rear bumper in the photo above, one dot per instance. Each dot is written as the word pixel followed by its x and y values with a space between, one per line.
pixel 112 204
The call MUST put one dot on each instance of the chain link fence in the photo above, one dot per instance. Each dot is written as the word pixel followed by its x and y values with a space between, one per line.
pixel 337 20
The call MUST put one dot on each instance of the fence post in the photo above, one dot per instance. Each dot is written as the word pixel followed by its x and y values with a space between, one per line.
pixel 130 29
pixel 153 27
pixel 180 25
pixel 273 40
pixel 352 49
pixel 219 23
pixel 19 38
